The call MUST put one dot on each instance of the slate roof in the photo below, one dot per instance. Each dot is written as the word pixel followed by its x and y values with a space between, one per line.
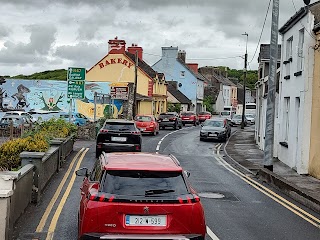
pixel 197 75
pixel 222 79
pixel 141 97
pixel 265 52
pixel 178 95
pixel 143 65
pixel 314 8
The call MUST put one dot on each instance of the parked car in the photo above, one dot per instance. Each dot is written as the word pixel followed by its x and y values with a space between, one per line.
pixel 237 119
pixel 76 118
pixel 20 113
pixel 189 118
pixel 204 116
pixel 251 118
pixel 215 128
pixel 147 124
pixel 17 121
pixel 139 196
pixel 118 135
pixel 170 119
pixel 42 115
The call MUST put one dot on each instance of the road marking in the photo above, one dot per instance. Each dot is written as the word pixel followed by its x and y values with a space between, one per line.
pixel 56 194
pixel 284 202
pixel 63 200
pixel 159 143
pixel 211 234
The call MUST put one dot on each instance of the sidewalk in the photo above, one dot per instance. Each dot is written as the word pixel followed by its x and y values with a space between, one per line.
pixel 242 149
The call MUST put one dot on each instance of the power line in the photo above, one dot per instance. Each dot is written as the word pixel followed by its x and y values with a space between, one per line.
pixel 157 55
pixel 264 23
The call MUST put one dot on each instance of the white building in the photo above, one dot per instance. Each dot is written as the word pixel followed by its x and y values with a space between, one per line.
pixel 262 92
pixel 293 119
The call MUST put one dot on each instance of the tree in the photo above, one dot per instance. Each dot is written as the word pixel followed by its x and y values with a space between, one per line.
pixel 208 102
pixel 174 107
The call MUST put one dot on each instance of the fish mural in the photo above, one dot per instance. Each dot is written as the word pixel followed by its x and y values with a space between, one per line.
pixel 51 95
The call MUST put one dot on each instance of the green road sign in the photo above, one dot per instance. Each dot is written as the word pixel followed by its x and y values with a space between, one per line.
pixel 76 89
pixel 76 73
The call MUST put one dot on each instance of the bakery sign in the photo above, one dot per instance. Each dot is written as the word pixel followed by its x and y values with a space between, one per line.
pixel 119 92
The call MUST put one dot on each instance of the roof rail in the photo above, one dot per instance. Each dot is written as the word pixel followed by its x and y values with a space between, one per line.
pixel 175 160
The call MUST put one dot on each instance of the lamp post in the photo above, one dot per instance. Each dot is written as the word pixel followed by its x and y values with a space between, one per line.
pixel 244 82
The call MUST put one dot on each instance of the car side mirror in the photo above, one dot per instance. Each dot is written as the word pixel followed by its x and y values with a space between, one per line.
pixel 82 172
pixel 187 173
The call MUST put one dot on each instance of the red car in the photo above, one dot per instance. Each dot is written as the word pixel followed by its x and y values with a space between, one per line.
pixel 147 124
pixel 189 118
pixel 204 116
pixel 139 196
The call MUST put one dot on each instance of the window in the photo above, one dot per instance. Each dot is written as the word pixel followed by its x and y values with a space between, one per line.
pixel 300 51
pixel 286 117
pixel 144 183
pixel 288 56
pixel 182 74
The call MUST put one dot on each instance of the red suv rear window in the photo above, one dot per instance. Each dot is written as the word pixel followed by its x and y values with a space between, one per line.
pixel 144 183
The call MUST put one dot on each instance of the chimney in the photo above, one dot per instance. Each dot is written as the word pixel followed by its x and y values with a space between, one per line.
pixel 193 66
pixel 117 46
pixel 174 84
pixel 182 55
pixel 134 48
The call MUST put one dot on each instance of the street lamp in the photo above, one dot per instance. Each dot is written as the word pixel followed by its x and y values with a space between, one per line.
pixel 244 82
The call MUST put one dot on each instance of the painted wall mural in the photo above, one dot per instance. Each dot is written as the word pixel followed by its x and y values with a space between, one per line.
pixel 50 95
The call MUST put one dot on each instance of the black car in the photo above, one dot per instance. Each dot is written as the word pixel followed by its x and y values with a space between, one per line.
pixel 170 119
pixel 118 135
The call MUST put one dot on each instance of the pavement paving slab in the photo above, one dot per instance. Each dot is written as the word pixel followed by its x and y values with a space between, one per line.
pixel 242 149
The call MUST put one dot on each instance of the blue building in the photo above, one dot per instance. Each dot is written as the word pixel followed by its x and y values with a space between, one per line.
pixel 189 81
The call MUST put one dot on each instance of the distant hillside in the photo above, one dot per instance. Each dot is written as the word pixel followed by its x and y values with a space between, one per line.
pixel 59 74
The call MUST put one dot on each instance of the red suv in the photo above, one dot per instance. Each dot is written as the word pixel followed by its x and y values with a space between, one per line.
pixel 139 196
pixel 189 117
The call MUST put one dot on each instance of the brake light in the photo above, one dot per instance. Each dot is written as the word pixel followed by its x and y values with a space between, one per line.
pixel 188 199
pixel 103 130
pixel 196 198
pixel 93 197
pixel 151 124
pixel 138 147
pixel 101 199
pixel 111 199
pixel 172 119
pixel 180 200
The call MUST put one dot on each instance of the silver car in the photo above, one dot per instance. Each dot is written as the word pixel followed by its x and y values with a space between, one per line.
pixel 216 128
pixel 251 118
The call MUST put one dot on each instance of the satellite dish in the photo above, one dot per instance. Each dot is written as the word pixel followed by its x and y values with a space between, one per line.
pixel 180 85
pixel 306 2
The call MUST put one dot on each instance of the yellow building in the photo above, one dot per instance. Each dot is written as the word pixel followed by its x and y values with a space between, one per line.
pixel 314 164
pixel 118 67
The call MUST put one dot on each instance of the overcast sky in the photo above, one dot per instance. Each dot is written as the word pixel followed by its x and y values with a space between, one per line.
pixel 39 35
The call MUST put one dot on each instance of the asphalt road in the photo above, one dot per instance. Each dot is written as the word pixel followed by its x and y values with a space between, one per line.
pixel 234 207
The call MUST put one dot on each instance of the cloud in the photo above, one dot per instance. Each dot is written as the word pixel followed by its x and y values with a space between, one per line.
pixel 82 54
pixel 4 31
pixel 35 51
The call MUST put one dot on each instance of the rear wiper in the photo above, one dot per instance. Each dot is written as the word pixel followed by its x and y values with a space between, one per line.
pixel 158 191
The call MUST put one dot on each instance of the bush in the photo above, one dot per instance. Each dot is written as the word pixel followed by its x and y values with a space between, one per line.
pixel 35 140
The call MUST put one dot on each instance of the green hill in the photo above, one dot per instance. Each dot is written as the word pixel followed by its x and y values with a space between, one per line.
pixel 58 74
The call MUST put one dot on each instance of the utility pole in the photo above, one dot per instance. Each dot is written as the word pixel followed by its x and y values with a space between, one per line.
pixel 134 109
pixel 269 132
pixel 244 83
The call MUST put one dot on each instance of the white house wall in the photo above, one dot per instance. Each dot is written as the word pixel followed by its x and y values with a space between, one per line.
pixel 296 155
pixel 226 95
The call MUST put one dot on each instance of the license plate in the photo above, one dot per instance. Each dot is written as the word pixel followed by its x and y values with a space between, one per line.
pixel 119 139
pixel 186 118
pixel 136 220
pixel 166 120
pixel 142 129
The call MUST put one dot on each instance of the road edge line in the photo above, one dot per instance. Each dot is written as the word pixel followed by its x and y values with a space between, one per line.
pixel 48 210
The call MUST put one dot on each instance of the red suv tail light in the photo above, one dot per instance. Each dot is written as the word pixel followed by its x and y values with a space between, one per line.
pixel 192 198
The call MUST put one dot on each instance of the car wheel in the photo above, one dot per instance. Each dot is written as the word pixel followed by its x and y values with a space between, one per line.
pixel 180 126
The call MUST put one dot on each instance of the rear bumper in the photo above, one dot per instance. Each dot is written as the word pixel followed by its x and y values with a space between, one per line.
pixel 188 121
pixel 118 147
pixel 90 236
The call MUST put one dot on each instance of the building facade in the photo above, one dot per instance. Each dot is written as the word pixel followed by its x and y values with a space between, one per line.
pixel 295 97
pixel 190 82
pixel 118 67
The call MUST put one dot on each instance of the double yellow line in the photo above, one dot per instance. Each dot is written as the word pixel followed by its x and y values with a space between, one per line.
pixel 57 213
pixel 284 202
